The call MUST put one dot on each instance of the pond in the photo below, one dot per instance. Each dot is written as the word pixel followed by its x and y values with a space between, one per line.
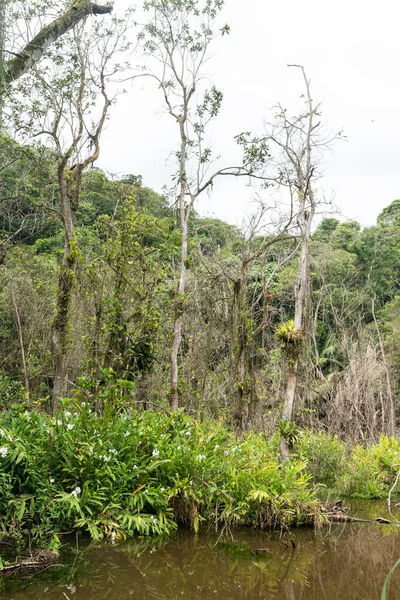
pixel 343 562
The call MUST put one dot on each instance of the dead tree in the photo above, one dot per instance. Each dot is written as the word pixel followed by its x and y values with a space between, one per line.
pixel 177 40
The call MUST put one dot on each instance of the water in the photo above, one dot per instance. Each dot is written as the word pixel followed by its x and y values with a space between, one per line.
pixel 345 562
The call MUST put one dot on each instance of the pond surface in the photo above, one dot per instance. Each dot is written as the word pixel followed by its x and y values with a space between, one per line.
pixel 343 562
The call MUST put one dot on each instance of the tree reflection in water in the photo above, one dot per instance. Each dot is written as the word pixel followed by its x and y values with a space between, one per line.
pixel 347 563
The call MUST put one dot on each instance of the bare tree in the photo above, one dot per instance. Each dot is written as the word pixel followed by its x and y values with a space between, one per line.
pixel 297 144
pixel 177 40
pixel 70 112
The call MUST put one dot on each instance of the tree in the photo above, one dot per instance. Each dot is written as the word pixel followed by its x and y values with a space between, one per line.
pixel 299 142
pixel 177 40
pixel 390 215
pixel 69 113
pixel 26 185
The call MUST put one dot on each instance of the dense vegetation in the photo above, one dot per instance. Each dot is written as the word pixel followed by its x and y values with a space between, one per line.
pixel 124 299
pixel 143 473
pixel 119 306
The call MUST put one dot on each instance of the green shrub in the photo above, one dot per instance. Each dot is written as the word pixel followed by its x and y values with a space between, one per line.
pixel 123 474
pixel 325 456
pixel 371 471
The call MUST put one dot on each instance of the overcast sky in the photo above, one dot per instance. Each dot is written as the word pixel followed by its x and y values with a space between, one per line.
pixel 351 51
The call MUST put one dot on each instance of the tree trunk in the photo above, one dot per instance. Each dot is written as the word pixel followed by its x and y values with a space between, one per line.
pixel 21 343
pixel 240 349
pixel 302 297
pixel 178 309
pixel 64 294
pixel 179 300
pixel 3 18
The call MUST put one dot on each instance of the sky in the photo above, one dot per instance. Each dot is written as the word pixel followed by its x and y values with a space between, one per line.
pixel 351 52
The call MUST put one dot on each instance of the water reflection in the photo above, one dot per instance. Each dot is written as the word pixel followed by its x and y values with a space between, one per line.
pixel 347 563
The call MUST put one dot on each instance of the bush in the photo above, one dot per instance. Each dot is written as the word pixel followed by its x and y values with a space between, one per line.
pixel 325 456
pixel 371 471
pixel 123 474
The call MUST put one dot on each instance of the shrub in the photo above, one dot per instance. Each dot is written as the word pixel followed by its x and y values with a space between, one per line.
pixel 123 474
pixel 325 456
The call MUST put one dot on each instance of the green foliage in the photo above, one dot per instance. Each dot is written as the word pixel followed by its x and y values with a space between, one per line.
pixel 289 432
pixel 357 472
pixel 387 580
pixel 390 215
pixel 290 339
pixel 370 472
pixel 325 456
pixel 325 229
pixel 10 392
pixel 126 474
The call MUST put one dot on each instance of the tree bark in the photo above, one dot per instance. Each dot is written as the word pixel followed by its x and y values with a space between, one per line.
pixel 34 50
pixel 64 294
pixel 179 300
pixel 302 296
pixel 21 342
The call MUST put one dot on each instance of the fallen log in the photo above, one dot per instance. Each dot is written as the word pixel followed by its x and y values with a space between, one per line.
pixel 38 560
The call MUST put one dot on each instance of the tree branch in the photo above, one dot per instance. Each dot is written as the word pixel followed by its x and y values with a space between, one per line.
pixel 34 50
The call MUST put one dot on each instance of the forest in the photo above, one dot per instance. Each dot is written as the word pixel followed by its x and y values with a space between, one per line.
pixel 158 366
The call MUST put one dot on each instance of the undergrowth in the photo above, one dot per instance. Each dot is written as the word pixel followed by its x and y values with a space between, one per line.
pixel 124 474
pixel 354 472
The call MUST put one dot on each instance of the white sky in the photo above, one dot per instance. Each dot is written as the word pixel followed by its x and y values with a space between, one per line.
pixel 351 51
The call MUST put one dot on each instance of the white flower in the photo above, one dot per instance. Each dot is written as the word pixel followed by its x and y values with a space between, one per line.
pixel 51 479
pixel 67 414
pixel 104 457
pixel 10 438
pixel 3 451
pixel 134 467
pixel 126 434
pixel 76 491
pixel 201 457
pixel 162 489
pixel 71 588
pixel 187 432
pixel 156 452
pixel 113 451
pixel 70 426
pixel 83 403
pixel 216 447
pixel 59 422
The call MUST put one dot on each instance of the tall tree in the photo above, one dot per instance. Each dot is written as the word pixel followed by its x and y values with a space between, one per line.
pixel 299 142
pixel 69 113
pixel 177 40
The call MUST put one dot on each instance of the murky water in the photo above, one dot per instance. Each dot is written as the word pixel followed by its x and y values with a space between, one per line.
pixel 347 562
